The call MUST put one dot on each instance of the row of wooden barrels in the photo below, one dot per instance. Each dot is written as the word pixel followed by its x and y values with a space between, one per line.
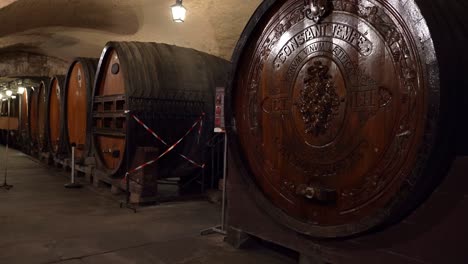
pixel 94 106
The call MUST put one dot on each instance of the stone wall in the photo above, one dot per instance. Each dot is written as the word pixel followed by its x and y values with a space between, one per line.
pixel 29 64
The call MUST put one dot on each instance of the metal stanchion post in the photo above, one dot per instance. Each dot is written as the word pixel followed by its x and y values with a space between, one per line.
pixel 73 184
pixel 219 127
pixel 203 181
pixel 223 208
pixel 221 229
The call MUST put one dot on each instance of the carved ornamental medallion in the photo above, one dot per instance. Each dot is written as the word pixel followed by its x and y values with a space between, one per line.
pixel 319 101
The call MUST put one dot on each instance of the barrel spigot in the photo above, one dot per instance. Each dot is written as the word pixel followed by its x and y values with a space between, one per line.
pixel 306 191
pixel 316 193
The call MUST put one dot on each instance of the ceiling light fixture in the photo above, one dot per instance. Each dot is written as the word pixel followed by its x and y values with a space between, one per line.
pixel 9 93
pixel 21 90
pixel 178 12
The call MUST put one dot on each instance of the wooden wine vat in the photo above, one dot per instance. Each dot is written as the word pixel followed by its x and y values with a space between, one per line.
pixel 32 114
pixel 54 116
pixel 14 107
pixel 77 107
pixel 9 122
pixel 30 85
pixel 37 117
pixel 3 107
pixel 341 114
pixel 25 101
pixel 168 88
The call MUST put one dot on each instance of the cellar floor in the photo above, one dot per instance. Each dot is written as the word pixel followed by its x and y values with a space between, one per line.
pixel 42 222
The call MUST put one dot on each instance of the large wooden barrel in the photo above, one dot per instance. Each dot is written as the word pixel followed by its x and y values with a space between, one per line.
pixel 9 120
pixel 32 113
pixel 168 88
pixel 4 107
pixel 24 101
pixel 341 112
pixel 54 116
pixel 78 96
pixel 37 116
pixel 3 114
pixel 14 106
pixel 24 138
pixel 13 112
pixel 14 121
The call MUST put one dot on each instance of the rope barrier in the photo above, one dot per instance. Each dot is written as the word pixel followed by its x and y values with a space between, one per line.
pixel 170 148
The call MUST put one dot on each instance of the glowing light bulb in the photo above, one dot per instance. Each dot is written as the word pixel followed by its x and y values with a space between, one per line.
pixel 178 12
pixel 21 90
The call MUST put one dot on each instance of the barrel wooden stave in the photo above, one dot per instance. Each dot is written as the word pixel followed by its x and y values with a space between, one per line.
pixel 53 118
pixel 37 117
pixel 41 118
pixel 78 96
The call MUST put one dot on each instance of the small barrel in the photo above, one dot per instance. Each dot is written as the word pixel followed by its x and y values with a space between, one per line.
pixel 54 115
pixel 168 88
pixel 78 90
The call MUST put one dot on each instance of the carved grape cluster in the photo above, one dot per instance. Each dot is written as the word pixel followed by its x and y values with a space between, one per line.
pixel 318 101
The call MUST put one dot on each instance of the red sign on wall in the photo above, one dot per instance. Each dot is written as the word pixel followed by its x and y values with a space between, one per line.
pixel 219 126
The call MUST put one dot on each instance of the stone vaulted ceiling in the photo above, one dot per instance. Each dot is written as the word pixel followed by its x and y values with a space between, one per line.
pixel 52 32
